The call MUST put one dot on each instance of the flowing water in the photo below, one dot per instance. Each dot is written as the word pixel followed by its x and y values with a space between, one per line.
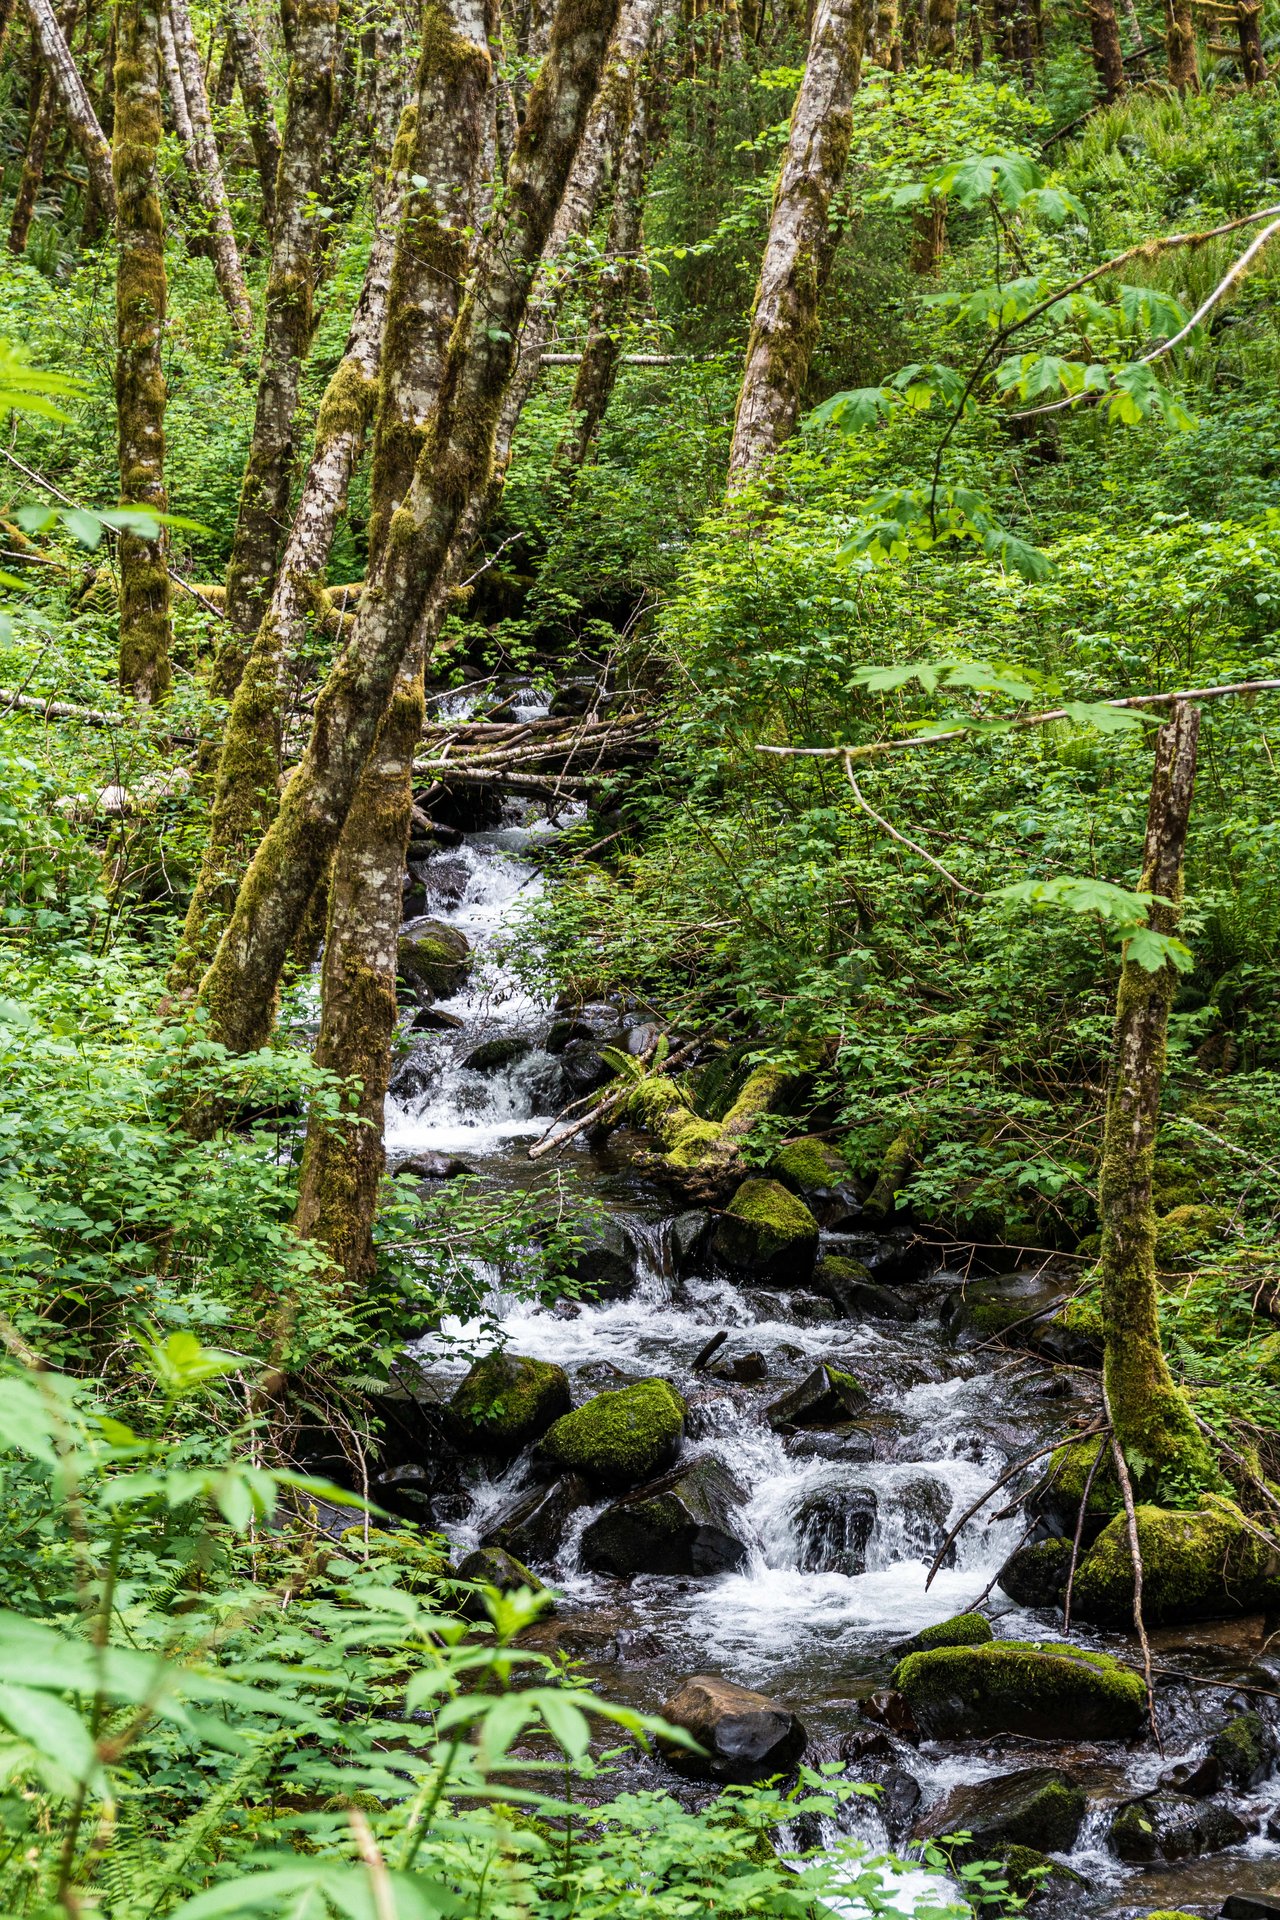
pixel 838 1548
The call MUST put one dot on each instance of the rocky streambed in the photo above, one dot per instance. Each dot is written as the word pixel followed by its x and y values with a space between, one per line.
pixel 737 1459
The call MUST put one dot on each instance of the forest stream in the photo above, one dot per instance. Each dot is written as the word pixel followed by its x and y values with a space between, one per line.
pixel 837 1527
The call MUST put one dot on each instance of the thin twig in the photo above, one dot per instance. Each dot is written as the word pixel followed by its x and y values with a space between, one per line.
pixel 1005 1477
pixel 1135 1554
pixel 902 839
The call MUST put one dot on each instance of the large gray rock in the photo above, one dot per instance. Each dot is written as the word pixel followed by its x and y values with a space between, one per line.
pixel 832 1530
pixel 607 1263
pixel 1039 1807
pixel 744 1736
pixel 682 1524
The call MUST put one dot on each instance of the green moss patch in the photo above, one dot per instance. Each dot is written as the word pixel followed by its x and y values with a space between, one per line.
pixel 507 1400
pixel 619 1438
pixel 1202 1564
pixel 809 1166
pixel 1042 1690
pixel 962 1630
pixel 766 1230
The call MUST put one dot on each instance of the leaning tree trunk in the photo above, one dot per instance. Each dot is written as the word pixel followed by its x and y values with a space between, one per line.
pixel 1108 54
pixel 1252 60
pixel 784 325
pixel 264 135
pixel 1180 45
pixel 454 466
pixel 247 793
pixel 73 99
pixel 1152 1421
pixel 264 495
pixel 207 169
pixel 145 627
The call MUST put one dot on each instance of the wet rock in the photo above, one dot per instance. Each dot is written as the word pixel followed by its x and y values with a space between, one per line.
pixel 507 1400
pixel 767 1233
pixel 432 838
pixel 435 1020
pixel 1196 1778
pixel 573 698
pixel 414 1422
pixel 561 1032
pixel 849 1286
pixel 1169 1826
pixel 534 1527
pixel 812 1309
pixel 566 1310
pixel 744 1369
pixel 899 1798
pixel 925 1508
pixel 891 1709
pixel 1029 1688
pixel 410 1080
pixel 433 958
pixel 962 1630
pixel 845 1442
pixel 832 1530
pixel 607 1262
pixel 492 1055
pixel 442 882
pixel 826 1397
pixel 809 1166
pixel 744 1736
pixel 583 1070
pixel 1036 1878
pixel 864 1747
pixel 1245 1750
pixel 405 1491
pixel 679 1525
pixel 1036 1576
pixel 619 1438
pixel 433 1166
pixel 1196 1565
pixel 596 1376
pixel 491 1567
pixel 1247 1906
pixel 688 1236
pixel 1038 1807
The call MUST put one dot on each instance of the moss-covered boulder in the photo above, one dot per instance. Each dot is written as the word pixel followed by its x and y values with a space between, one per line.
pixel 680 1525
pixel 1033 1876
pixel 809 1166
pixel 1204 1564
pixel 619 1438
pixel 1245 1750
pixel 962 1630
pixel 491 1567
pixel 855 1293
pixel 433 958
pixel 767 1233
pixel 506 1401
pixel 1072 1469
pixel 1033 1688
pixel 1039 1807
pixel 1168 1826
pixel 1036 1576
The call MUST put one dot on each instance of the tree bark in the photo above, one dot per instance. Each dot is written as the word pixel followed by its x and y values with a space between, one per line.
pixel 784 325
pixel 7 10
pixel 1180 43
pixel 1108 54
pixel 264 495
pixel 1152 1421
pixel 888 44
pixel 145 625
pixel 1252 60
pixel 454 466
pixel 73 98
pixel 940 38
pixel 264 135
pixel 206 167
pixel 24 203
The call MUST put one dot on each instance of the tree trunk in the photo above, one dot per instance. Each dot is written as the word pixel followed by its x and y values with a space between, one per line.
pixel 455 465
pixel 1108 54
pixel 1024 42
pixel 24 204
pixel 888 44
pixel 259 113
pixel 206 168
pixel 1252 61
pixel 784 325
pixel 1152 1421
pixel 7 10
pixel 264 495
pixel 247 794
pixel 1180 43
pixel 940 41
pixel 145 627
pixel 224 87
pixel 73 99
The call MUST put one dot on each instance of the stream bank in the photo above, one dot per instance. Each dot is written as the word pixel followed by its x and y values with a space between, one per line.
pixel 832 1518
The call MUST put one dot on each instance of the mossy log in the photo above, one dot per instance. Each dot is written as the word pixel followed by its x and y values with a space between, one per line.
pixel 704 1153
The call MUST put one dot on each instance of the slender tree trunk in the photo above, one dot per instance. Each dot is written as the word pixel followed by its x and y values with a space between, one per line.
pixel 1152 1421
pixel 1252 60
pixel 455 465
pixel 940 39
pixel 73 99
pixel 145 627
pixel 976 49
pixel 206 167
pixel 1004 29
pixel 1024 42
pixel 264 135
pixel 94 220
pixel 224 87
pixel 1180 43
pixel 264 495
pixel 784 325
pixel 24 204
pixel 1108 54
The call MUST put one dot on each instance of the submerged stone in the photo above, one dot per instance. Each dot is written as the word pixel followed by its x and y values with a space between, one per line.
pixel 491 1567
pixel 1039 1807
pixel 1170 1826
pixel 833 1527
pixel 745 1736
pixel 1032 1688
pixel 534 1527
pixel 680 1525
pixel 844 1442
pixel 1197 1565
pixel 492 1055
pixel 826 1397
pixel 507 1400
pixel 768 1233
pixel 621 1437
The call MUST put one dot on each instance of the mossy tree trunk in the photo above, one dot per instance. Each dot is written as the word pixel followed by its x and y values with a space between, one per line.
pixel 1108 54
pixel 1252 59
pixel 206 167
pixel 262 520
pixel 246 791
pixel 455 466
pixel 1180 45
pixel 73 100
pixel 888 41
pixel 940 38
pixel 145 625
pixel 255 95
pixel 1152 1421
pixel 784 323
pixel 39 127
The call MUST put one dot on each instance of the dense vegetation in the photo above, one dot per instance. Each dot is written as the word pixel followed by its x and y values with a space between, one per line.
pixel 979 477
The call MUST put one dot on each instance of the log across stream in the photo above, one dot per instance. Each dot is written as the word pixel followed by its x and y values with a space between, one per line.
pixel 836 1525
